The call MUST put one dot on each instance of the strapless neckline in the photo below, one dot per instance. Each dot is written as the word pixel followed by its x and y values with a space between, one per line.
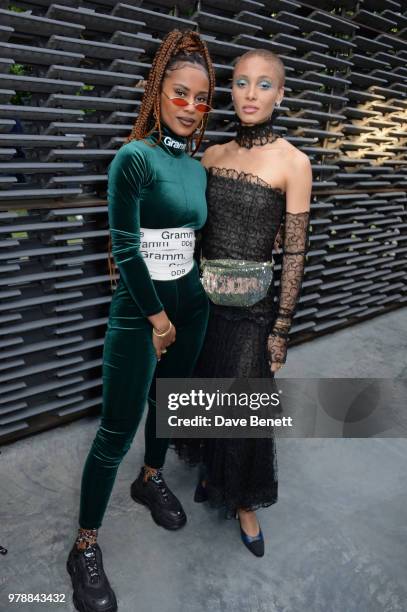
pixel 248 177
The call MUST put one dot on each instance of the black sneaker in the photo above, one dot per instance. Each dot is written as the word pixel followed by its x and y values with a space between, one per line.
pixel 165 508
pixel 91 589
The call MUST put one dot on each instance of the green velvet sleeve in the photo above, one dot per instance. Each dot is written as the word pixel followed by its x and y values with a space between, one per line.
pixel 128 173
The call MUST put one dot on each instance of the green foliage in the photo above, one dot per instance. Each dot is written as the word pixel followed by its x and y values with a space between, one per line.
pixel 16 9
pixel 21 97
pixel 84 89
pixel 18 69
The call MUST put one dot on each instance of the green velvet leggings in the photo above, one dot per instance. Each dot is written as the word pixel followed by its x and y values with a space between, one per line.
pixel 129 371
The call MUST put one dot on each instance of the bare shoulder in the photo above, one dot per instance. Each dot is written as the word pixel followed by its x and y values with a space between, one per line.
pixel 298 171
pixel 212 154
pixel 293 154
pixel 209 155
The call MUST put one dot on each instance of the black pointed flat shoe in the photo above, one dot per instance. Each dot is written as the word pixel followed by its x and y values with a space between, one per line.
pixel 201 494
pixel 254 543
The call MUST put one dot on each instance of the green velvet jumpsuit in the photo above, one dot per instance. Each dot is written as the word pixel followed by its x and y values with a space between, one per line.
pixel 157 187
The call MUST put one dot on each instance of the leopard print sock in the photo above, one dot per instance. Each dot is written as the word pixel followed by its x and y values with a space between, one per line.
pixel 148 472
pixel 85 538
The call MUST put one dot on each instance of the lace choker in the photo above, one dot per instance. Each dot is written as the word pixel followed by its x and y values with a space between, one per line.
pixel 249 136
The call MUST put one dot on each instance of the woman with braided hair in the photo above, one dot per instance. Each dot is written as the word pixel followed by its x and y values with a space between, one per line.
pixel 159 310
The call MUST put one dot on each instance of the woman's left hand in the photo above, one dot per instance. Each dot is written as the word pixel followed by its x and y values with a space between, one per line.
pixel 274 367
pixel 277 350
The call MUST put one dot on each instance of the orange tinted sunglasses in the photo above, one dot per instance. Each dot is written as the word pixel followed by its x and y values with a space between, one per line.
pixel 200 106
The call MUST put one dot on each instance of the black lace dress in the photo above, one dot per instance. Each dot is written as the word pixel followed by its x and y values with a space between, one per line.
pixel 244 217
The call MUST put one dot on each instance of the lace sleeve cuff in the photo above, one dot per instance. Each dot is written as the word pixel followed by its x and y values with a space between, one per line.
pixel 295 246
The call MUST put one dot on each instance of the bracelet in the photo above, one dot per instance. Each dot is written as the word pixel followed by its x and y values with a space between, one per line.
pixel 164 333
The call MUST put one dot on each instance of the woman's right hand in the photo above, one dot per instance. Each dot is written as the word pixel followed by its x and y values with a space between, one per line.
pixel 161 343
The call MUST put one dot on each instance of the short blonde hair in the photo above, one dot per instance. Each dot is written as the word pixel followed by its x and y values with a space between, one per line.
pixel 269 56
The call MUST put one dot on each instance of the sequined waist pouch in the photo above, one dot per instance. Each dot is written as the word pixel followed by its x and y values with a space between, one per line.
pixel 236 282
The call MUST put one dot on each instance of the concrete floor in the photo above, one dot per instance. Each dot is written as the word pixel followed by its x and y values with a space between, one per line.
pixel 335 542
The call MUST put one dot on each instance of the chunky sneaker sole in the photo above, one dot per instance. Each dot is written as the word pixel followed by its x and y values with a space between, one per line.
pixel 81 605
pixel 160 520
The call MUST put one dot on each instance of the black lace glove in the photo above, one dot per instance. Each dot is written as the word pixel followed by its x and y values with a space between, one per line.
pixel 295 245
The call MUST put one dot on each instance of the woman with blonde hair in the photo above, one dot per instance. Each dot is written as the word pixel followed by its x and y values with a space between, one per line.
pixel 158 313
pixel 258 184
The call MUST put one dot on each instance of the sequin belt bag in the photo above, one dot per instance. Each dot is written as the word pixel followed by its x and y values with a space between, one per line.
pixel 236 282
